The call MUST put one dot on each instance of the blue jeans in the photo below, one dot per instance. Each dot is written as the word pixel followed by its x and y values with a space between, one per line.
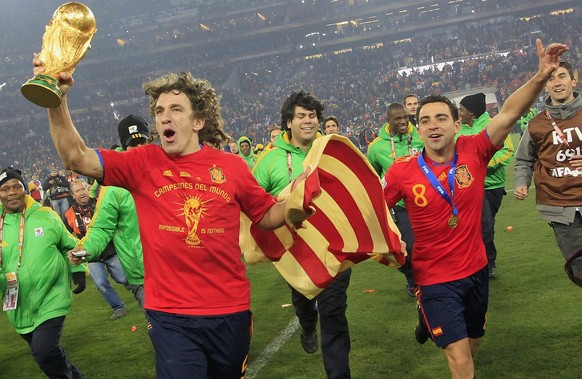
pixel 60 205
pixel 98 271
pixel 137 290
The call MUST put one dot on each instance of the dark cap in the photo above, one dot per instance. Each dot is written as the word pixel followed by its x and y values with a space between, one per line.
pixel 475 103
pixel 132 127
pixel 11 173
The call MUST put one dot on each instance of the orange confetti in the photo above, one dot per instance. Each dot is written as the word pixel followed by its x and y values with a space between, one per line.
pixel 369 291
pixel 133 328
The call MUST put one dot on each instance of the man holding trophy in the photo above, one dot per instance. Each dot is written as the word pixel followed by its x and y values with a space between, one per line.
pixel 197 296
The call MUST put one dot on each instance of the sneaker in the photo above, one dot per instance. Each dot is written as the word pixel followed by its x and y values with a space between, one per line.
pixel 309 342
pixel 117 314
pixel 492 273
pixel 410 287
pixel 421 331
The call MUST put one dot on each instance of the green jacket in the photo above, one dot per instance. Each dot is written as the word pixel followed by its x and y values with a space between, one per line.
pixel 251 158
pixel 380 152
pixel 272 169
pixel 44 276
pixel 496 168
pixel 524 120
pixel 115 218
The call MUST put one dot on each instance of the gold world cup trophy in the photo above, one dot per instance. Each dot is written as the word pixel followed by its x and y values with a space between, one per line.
pixel 65 42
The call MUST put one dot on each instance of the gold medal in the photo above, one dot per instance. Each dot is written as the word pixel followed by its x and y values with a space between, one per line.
pixel 453 221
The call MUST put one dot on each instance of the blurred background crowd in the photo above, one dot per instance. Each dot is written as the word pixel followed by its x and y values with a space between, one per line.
pixel 357 56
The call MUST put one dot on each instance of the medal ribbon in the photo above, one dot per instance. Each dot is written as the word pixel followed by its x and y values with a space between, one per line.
pixel 20 238
pixel 558 130
pixel 437 185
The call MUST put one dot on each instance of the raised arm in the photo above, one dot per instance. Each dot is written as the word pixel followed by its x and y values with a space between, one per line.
pixel 521 100
pixel 67 140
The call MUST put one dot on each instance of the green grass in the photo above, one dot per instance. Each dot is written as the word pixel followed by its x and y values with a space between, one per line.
pixel 532 331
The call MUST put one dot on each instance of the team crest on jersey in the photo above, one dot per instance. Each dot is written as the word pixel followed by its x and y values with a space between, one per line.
pixel 38 232
pixel 217 175
pixel 463 176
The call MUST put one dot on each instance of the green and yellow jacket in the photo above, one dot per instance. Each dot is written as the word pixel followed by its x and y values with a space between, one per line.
pixel 272 169
pixel 380 152
pixel 115 219
pixel 251 158
pixel 44 277
pixel 496 168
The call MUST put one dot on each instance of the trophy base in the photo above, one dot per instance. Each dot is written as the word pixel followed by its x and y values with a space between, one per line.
pixel 43 90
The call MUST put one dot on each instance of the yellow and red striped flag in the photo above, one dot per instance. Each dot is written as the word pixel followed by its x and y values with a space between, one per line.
pixel 351 222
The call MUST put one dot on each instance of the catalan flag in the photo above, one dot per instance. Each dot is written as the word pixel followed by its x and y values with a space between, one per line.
pixel 351 221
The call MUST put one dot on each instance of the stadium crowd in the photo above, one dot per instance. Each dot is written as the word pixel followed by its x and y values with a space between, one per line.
pixel 356 86
pixel 366 86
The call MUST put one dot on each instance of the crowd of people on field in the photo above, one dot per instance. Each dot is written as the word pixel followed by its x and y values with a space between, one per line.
pixel 240 145
pixel 441 190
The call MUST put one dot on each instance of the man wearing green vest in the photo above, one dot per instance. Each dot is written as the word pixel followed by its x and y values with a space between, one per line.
pixel 397 138
pixel 474 118
pixel 115 216
pixel 301 115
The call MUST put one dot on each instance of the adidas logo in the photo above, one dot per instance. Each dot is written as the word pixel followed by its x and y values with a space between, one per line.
pixel 167 173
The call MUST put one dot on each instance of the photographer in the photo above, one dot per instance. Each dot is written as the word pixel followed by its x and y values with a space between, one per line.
pixel 57 190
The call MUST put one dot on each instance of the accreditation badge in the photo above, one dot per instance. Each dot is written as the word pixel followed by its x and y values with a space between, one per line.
pixel 11 296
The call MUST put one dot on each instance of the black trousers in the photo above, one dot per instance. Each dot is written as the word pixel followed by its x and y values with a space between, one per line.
pixel 491 204
pixel 331 305
pixel 44 342
pixel 402 221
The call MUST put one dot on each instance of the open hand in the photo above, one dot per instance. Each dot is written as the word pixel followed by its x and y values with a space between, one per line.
pixel 549 58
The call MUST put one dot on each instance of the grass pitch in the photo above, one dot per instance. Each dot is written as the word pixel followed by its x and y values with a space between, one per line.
pixel 532 330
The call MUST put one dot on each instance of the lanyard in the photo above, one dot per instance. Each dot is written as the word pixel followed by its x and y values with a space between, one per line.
pixel 394 147
pixel 290 166
pixel 558 130
pixel 20 238
pixel 439 188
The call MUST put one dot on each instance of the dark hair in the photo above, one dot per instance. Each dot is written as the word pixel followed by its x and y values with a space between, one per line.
pixel 300 99
pixel 568 68
pixel 392 107
pixel 331 118
pixel 203 99
pixel 438 99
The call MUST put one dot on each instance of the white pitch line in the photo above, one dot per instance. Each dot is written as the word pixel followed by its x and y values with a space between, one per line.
pixel 260 362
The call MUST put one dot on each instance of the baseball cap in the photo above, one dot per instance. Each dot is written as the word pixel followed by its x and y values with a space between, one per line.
pixel 130 128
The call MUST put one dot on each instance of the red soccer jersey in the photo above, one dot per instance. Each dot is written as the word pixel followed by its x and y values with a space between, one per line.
pixel 441 253
pixel 189 219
